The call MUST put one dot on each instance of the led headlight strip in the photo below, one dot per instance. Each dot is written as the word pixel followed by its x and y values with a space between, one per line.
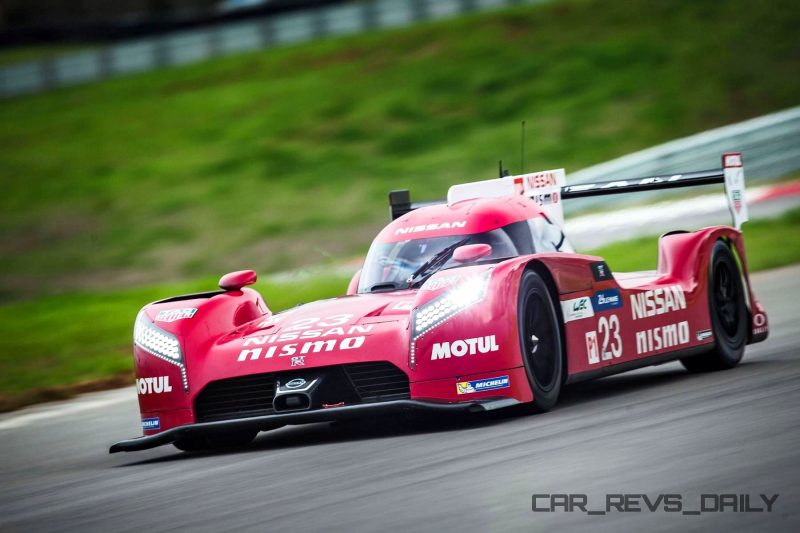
pixel 445 306
pixel 159 343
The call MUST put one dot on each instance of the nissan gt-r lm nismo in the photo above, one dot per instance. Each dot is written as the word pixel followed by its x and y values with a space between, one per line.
pixel 472 304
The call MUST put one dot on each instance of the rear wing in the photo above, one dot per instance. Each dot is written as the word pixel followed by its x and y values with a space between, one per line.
pixel 549 189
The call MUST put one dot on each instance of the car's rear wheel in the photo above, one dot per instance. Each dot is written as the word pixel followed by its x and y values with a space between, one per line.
pixel 215 441
pixel 729 317
pixel 540 340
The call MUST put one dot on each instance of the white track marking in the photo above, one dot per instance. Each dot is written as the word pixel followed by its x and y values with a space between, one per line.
pixel 66 409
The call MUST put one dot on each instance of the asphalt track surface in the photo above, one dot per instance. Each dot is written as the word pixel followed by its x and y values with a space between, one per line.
pixel 656 430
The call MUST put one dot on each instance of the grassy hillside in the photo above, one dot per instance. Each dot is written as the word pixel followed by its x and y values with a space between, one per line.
pixel 284 157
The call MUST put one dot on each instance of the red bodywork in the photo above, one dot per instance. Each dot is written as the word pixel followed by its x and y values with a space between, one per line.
pixel 638 319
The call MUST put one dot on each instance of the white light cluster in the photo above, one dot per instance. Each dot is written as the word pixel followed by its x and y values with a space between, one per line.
pixel 159 343
pixel 155 340
pixel 450 303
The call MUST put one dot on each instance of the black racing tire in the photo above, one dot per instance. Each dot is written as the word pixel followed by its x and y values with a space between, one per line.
pixel 215 441
pixel 729 315
pixel 543 357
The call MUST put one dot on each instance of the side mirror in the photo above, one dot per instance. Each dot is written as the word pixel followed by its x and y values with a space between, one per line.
pixel 352 288
pixel 471 252
pixel 233 281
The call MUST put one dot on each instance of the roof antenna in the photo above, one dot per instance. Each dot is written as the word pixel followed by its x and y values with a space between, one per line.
pixel 522 151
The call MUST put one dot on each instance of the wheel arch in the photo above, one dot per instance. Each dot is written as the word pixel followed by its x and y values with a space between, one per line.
pixel 540 268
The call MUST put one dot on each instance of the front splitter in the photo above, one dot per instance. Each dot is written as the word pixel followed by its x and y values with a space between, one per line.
pixel 307 417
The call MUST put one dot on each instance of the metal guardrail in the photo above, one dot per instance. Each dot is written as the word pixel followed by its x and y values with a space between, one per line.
pixel 185 47
pixel 770 146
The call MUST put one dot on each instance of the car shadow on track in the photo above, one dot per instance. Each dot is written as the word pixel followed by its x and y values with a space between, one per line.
pixel 397 425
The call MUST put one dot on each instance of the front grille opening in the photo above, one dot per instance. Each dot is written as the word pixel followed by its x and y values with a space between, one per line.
pixel 252 396
pixel 378 381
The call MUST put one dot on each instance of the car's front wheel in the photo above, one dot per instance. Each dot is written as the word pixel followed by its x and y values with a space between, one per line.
pixel 540 340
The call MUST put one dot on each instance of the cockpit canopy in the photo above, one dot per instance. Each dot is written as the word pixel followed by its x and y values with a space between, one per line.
pixel 389 265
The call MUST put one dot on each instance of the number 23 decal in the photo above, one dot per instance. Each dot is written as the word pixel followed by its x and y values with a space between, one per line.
pixel 611 346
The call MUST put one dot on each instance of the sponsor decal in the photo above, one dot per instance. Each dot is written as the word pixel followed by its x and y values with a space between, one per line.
pixel 760 323
pixel 151 423
pixel 660 338
pixel 600 271
pixel 607 299
pixel 171 315
pixel 155 385
pixel 657 301
pixel 519 185
pixel 403 306
pixel 704 334
pixel 288 335
pixel 591 347
pixel 292 349
pixel 431 227
pixel 577 308
pixel 299 360
pixel 480 385
pixel 538 180
pixel 737 200
pixel 460 348
pixel 546 198
pixel 606 343
pixel 624 183
pixel 435 284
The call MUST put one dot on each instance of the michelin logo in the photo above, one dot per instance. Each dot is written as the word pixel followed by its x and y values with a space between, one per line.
pixel 480 385
pixel 605 300
pixel 151 423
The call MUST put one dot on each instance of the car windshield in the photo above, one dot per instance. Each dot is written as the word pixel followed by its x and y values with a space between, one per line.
pixel 389 265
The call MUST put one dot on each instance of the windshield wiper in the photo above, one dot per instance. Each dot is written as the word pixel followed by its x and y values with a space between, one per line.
pixel 433 264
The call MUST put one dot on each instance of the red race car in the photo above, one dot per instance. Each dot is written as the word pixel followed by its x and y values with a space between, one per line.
pixel 472 304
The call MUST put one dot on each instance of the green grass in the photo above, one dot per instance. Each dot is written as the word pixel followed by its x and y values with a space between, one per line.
pixel 282 158
pixel 58 341
pixel 769 243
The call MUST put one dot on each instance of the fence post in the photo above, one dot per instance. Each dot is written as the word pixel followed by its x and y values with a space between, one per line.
pixel 214 42
pixel 47 75
pixel 369 15
pixel 266 33
pixel 319 23
pixel 419 10
pixel 467 6
pixel 104 66
pixel 160 55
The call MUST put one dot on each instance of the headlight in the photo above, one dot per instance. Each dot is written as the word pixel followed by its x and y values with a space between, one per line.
pixel 443 307
pixel 159 343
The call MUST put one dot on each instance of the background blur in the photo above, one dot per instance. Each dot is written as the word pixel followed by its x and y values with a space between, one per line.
pixel 149 146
